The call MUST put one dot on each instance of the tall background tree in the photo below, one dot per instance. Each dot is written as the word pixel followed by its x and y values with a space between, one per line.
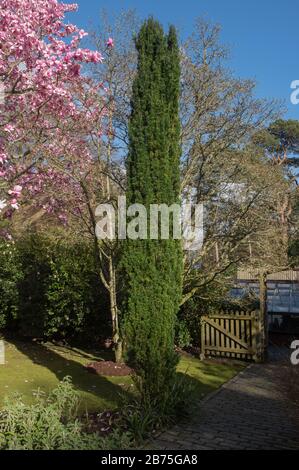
pixel 280 144
pixel 280 141
pixel 153 268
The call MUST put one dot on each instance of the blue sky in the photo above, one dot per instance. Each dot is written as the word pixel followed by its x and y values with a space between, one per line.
pixel 262 34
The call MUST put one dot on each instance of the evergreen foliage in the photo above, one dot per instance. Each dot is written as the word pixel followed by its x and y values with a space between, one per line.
pixel 50 289
pixel 153 268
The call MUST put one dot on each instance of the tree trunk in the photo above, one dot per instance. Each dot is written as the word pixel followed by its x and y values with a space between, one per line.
pixel 114 314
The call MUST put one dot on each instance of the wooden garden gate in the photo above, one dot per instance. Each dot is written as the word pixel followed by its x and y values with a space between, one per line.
pixel 235 335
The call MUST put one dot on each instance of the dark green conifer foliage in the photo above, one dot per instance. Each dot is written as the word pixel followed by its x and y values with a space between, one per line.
pixel 153 268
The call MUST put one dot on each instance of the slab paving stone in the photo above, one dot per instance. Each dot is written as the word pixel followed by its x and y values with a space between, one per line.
pixel 251 411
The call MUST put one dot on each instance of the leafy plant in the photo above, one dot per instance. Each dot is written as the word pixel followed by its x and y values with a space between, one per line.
pixel 50 289
pixel 51 423
pixel 183 337
pixel 148 413
pixel 152 268
pixel 10 275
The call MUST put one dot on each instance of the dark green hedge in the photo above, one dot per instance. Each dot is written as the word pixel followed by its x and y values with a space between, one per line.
pixel 49 289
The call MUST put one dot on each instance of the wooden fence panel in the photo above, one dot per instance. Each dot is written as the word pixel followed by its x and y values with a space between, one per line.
pixel 235 335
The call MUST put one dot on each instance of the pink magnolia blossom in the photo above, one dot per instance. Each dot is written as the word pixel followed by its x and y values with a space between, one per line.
pixel 110 42
pixel 50 108
pixel 14 204
pixel 16 190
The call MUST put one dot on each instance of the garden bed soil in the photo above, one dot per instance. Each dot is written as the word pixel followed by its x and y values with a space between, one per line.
pixel 109 368
pixel 103 423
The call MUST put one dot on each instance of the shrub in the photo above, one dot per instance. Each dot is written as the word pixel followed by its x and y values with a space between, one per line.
pixel 60 295
pixel 152 269
pixel 34 255
pixel 48 424
pixel 182 334
pixel 146 413
pixel 51 423
pixel 73 293
pixel 10 275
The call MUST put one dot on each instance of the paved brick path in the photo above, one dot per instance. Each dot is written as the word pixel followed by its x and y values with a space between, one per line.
pixel 252 411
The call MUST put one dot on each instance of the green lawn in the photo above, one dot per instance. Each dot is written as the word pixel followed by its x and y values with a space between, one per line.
pixel 30 366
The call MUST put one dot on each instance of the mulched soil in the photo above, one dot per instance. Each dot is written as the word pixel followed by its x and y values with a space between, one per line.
pixel 109 368
pixel 103 423
pixel 188 352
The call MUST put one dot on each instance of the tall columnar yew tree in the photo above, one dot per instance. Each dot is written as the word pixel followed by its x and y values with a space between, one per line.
pixel 153 268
